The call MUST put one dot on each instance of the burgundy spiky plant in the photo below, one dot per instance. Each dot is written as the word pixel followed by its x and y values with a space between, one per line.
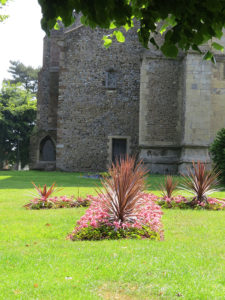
pixel 44 193
pixel 123 188
pixel 200 182
pixel 122 208
pixel 168 187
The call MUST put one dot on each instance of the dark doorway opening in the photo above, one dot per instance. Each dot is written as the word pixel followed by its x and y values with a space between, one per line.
pixel 47 150
pixel 119 149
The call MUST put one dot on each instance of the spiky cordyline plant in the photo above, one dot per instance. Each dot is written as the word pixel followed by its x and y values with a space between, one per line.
pixel 168 187
pixel 45 192
pixel 200 182
pixel 123 188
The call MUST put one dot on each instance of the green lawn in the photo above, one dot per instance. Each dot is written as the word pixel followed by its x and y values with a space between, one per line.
pixel 37 262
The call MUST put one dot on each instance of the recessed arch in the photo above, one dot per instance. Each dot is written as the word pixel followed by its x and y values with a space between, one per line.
pixel 47 149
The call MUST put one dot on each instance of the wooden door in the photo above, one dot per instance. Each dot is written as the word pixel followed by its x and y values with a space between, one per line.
pixel 119 149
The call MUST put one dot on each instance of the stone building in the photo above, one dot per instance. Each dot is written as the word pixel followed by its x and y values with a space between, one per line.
pixel 95 104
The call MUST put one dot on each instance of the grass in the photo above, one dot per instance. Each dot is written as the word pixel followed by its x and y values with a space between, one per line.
pixel 37 262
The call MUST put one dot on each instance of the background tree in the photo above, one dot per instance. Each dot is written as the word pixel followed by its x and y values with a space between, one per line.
pixel 189 23
pixel 26 75
pixel 2 17
pixel 17 120
pixel 217 151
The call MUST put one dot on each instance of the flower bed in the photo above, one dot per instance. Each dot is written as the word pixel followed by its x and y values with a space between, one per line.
pixel 184 203
pixel 96 223
pixel 123 210
pixel 200 182
pixel 172 202
pixel 43 200
pixel 56 202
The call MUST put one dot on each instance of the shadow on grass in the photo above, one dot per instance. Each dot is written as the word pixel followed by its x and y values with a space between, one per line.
pixel 24 179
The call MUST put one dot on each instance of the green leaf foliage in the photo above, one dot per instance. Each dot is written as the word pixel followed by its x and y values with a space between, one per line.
pixel 208 55
pixel 169 50
pixel 218 47
pixel 126 27
pixel 108 232
pixel 107 40
pixel 119 36
pixel 189 23
pixel 17 120
pixel 217 151
pixel 3 17
pixel 26 75
pixel 57 24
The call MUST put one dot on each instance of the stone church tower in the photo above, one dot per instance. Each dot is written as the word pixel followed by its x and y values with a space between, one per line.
pixel 95 104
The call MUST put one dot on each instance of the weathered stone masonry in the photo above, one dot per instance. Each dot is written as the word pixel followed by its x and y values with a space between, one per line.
pixel 91 111
pixel 96 103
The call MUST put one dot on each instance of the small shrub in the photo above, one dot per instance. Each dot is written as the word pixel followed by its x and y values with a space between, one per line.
pixel 51 202
pixel 215 204
pixel 123 210
pixel 84 202
pixel 185 203
pixel 217 151
pixel 45 193
pixel 109 232
pixel 168 187
pixel 96 223
pixel 123 187
pixel 57 202
pixel 173 202
pixel 44 201
pixel 200 183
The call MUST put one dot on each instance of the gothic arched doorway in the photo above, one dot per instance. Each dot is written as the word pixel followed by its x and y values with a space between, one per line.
pixel 47 150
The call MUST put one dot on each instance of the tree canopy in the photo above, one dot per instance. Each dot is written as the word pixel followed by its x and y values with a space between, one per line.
pixel 188 23
pixel 17 113
pixel 26 75
pixel 17 120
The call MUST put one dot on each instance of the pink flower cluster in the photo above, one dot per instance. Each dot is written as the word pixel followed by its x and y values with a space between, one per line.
pixel 56 202
pixel 61 199
pixel 182 202
pixel 213 203
pixel 216 203
pixel 52 199
pixel 95 214
pixel 176 199
pixel 148 214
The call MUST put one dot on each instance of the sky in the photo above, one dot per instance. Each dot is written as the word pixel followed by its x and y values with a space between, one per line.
pixel 21 36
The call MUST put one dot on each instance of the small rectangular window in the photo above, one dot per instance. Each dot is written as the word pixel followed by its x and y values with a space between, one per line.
pixel 110 79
